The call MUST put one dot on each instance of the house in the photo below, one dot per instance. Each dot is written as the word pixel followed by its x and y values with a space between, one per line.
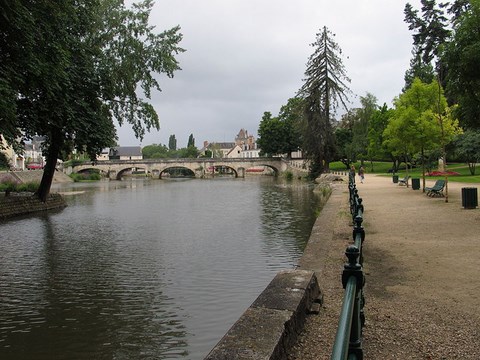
pixel 235 152
pixel 244 140
pixel 31 158
pixel 104 155
pixel 219 149
pixel 17 161
pixel 125 153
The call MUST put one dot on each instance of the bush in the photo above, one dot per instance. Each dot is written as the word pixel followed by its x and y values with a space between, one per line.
pixel 288 175
pixel 28 187
pixel 85 176
pixel 10 186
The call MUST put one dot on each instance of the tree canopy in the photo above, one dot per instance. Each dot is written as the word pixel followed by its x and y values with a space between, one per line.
pixel 421 121
pixel 462 55
pixel 75 69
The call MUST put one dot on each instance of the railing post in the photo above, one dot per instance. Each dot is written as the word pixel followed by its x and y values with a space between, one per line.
pixel 354 268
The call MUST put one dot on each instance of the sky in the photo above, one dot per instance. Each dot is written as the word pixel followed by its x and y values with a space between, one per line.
pixel 245 57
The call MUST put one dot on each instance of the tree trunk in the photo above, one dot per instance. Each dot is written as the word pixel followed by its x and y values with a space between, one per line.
pixel 49 169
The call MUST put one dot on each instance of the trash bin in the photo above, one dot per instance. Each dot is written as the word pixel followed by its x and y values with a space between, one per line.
pixel 469 198
pixel 395 179
pixel 415 184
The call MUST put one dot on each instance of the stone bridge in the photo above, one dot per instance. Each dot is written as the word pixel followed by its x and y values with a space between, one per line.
pixel 115 169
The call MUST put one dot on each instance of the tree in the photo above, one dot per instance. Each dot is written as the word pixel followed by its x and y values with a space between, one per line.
pixel 188 152
pixel 172 143
pixel 418 69
pixel 421 121
pixel 360 127
pixel 345 149
pixel 280 135
pixel 462 56
pixel 154 151
pixel 290 115
pixel 376 146
pixel 271 135
pixel 323 91
pixel 85 64
pixel 191 141
pixel 431 34
pixel 467 146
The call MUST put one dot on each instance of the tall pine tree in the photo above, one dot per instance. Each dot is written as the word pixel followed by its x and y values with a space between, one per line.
pixel 324 91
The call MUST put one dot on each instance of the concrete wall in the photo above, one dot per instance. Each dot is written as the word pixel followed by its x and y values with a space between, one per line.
pixel 20 204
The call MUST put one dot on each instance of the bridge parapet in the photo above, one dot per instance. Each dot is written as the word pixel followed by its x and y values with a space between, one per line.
pixel 200 167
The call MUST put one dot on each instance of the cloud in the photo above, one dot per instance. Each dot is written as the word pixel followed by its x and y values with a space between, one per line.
pixel 245 57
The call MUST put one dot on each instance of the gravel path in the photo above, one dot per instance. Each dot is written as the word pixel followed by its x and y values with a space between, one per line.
pixel 422 273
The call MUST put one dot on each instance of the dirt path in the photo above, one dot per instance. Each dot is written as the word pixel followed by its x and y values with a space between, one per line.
pixel 422 272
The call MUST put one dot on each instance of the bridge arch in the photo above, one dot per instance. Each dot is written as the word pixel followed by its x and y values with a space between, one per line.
pixel 158 173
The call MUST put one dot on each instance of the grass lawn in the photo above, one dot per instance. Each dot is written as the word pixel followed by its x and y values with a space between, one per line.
pixel 382 168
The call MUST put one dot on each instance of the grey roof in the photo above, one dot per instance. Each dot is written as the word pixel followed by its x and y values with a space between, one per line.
pixel 126 151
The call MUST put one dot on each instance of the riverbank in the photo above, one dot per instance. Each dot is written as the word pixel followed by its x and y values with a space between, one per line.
pixel 421 268
pixel 19 204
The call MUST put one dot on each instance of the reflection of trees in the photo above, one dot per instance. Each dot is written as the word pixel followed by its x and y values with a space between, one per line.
pixel 288 215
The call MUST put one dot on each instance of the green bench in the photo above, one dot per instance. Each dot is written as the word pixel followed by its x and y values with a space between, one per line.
pixel 437 189
pixel 404 181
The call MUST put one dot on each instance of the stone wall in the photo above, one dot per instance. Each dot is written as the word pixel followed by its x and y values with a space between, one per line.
pixel 24 203
pixel 270 326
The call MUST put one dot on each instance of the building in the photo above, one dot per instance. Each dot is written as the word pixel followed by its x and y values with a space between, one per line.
pixel 125 153
pixel 243 147
pixel 104 155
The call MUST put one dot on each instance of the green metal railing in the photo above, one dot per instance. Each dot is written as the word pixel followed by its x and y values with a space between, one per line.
pixel 348 341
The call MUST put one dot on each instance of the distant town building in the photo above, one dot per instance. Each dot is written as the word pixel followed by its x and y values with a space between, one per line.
pixel 243 147
pixel 126 153
pixel 104 155
pixel 32 154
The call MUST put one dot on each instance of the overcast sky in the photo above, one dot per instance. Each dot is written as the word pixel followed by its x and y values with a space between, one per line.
pixel 245 57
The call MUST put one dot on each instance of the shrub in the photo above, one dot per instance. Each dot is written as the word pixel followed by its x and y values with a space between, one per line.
pixel 288 175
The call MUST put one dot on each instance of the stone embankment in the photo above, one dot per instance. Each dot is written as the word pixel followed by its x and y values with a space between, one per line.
pixel 25 203
pixel 17 204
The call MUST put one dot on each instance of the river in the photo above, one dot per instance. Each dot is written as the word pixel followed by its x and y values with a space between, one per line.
pixel 141 269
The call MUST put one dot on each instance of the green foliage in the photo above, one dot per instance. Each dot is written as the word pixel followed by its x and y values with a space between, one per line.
pixel 70 74
pixel 462 57
pixel 272 135
pixel 172 143
pixel 288 175
pixel 352 137
pixel 418 69
pixel 188 152
pixel 431 29
pixel 10 186
pixel 323 91
pixel 28 187
pixel 467 146
pixel 421 121
pixel 155 151
pixel 191 141
pixel 85 176
pixel 4 162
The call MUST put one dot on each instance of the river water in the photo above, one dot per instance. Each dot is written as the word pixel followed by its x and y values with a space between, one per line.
pixel 142 269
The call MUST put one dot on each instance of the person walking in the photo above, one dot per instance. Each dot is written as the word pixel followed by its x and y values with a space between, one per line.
pixel 361 173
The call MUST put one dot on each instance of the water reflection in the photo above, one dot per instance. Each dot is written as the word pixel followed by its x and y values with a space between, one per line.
pixel 144 269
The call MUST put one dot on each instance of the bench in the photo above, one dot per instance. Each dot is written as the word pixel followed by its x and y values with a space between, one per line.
pixel 437 189
pixel 404 181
